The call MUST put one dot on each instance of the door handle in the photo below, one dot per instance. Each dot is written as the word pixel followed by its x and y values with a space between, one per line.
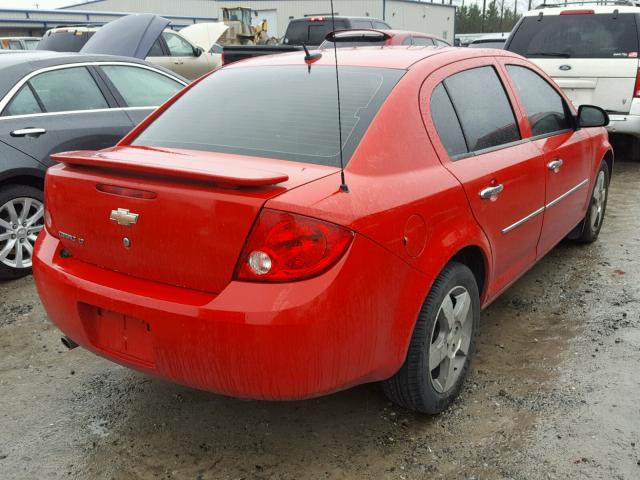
pixel 178 62
pixel 31 132
pixel 555 165
pixel 491 193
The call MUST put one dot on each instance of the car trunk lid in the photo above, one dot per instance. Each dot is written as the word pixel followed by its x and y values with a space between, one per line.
pixel 171 216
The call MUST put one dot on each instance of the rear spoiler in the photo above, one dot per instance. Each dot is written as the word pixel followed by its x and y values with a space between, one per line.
pixel 173 165
pixel 360 34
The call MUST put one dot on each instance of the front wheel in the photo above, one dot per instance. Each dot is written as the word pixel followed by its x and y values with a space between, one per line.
pixel 21 219
pixel 592 222
pixel 442 344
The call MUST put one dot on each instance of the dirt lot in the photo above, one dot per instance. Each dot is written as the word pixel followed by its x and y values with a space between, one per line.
pixel 554 393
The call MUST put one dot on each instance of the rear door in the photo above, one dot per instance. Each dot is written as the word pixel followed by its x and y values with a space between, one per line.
pixel 479 141
pixel 59 110
pixel 567 152
pixel 592 57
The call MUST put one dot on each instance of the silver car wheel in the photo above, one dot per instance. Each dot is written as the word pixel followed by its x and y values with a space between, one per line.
pixel 21 219
pixel 450 339
pixel 598 201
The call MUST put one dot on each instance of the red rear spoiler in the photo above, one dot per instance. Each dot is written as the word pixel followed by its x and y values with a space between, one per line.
pixel 173 164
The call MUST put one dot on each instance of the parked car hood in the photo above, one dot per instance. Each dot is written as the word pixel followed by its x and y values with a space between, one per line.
pixel 204 35
pixel 130 36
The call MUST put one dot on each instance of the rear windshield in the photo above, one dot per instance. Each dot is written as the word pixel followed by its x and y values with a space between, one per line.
pixel 311 32
pixel 282 112
pixel 64 41
pixel 577 36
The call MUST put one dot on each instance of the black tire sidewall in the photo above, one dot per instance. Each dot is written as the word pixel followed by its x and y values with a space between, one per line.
pixel 7 193
pixel 588 234
pixel 411 387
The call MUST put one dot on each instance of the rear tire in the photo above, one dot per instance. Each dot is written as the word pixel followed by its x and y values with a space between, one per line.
pixel 442 344
pixel 21 219
pixel 592 222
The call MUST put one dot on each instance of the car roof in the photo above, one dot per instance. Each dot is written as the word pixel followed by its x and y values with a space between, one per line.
pixel 398 57
pixel 551 9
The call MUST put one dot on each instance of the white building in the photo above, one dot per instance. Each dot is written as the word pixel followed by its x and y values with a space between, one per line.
pixel 416 15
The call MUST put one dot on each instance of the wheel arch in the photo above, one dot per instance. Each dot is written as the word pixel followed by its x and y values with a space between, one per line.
pixel 475 258
pixel 23 176
pixel 608 158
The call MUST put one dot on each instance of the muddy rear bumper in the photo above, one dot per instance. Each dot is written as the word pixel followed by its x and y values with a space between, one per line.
pixel 348 326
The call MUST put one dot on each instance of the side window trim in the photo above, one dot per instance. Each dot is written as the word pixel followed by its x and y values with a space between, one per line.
pixel 8 98
pixel 35 95
pixel 455 110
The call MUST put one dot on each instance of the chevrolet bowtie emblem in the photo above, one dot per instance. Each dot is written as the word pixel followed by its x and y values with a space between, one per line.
pixel 123 216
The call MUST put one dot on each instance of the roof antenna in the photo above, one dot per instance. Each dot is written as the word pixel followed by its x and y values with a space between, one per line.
pixel 343 184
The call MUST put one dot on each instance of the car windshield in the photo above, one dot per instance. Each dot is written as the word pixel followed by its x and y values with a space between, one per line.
pixel 577 36
pixel 284 112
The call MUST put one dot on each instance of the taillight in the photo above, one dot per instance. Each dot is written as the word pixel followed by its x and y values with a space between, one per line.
pixel 285 247
pixel 636 89
pixel 222 58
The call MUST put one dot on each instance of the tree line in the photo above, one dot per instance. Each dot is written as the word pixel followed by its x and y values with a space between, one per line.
pixel 497 17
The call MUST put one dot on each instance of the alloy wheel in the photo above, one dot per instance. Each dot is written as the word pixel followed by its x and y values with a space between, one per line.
pixel 598 201
pixel 450 339
pixel 21 220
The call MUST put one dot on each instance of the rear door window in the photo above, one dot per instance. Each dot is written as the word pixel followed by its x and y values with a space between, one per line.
pixel 378 25
pixel 577 36
pixel 545 108
pixel 68 89
pixel 447 123
pixel 302 106
pixel 140 87
pixel 483 107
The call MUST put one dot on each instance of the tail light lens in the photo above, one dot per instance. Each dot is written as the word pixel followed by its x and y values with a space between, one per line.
pixel 636 89
pixel 285 247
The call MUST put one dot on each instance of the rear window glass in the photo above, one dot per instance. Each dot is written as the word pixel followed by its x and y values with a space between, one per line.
pixel 577 36
pixel 287 112
pixel 311 33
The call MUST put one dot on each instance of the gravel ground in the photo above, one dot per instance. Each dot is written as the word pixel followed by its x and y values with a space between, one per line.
pixel 553 394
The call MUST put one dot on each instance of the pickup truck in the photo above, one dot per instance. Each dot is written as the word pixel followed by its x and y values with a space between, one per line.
pixel 309 31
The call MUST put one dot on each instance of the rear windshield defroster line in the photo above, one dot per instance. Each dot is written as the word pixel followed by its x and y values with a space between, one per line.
pixel 282 112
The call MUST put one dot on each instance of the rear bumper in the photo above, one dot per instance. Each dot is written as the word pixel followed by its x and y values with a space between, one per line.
pixel 351 325
pixel 624 124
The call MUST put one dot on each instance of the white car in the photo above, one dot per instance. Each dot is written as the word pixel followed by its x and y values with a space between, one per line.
pixel 592 54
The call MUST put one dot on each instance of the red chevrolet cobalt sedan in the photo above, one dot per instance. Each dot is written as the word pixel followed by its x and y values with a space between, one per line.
pixel 215 245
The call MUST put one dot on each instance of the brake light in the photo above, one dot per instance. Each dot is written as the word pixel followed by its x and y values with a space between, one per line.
pixel 316 19
pixel 577 12
pixel 636 90
pixel 285 247
pixel 126 192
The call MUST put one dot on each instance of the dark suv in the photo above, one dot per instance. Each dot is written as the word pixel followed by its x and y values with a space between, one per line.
pixel 312 31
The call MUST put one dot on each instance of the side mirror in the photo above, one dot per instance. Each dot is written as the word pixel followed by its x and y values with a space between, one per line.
pixel 197 51
pixel 592 116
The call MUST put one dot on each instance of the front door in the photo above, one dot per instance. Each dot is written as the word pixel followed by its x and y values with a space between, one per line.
pixel 566 153
pixel 502 175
